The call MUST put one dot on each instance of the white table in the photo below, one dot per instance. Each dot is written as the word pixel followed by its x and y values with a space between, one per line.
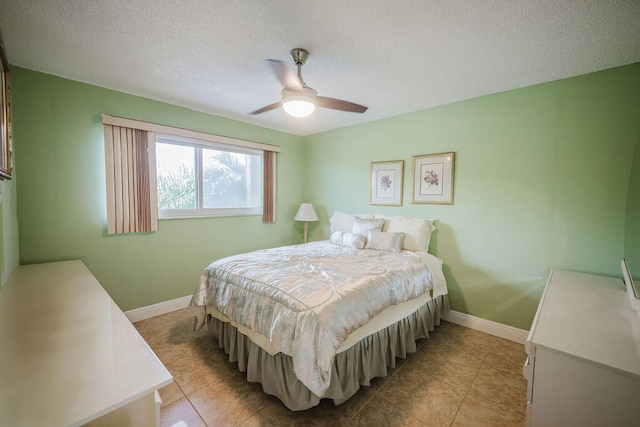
pixel 69 356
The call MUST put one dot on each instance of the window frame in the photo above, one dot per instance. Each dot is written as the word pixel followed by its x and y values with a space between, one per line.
pixel 200 211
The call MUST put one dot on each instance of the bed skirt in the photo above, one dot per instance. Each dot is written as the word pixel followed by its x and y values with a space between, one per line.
pixel 367 359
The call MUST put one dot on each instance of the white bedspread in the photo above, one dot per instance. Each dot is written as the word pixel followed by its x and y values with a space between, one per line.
pixel 308 298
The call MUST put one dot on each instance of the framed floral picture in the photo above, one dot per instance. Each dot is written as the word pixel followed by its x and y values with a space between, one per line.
pixel 386 183
pixel 433 178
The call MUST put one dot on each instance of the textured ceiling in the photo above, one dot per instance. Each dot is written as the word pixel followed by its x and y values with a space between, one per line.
pixel 393 56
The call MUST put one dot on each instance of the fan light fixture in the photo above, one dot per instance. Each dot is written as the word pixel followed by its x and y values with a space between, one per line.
pixel 298 99
pixel 299 103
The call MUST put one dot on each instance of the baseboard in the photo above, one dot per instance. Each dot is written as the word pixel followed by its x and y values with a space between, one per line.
pixel 142 313
pixel 483 325
pixel 487 326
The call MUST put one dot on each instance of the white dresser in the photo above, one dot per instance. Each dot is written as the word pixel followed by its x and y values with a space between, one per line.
pixel 69 356
pixel 583 365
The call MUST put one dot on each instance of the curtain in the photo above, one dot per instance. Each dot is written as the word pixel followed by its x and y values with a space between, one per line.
pixel 269 183
pixel 132 205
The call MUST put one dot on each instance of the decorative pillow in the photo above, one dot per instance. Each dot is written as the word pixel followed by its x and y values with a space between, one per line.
pixel 336 238
pixel 341 221
pixel 353 241
pixel 417 230
pixel 363 226
pixel 381 241
pixel 348 240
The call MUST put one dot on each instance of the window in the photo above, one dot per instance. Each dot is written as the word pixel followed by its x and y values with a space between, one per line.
pixel 198 174
pixel 200 178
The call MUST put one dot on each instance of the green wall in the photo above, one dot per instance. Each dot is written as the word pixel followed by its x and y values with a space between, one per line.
pixel 632 225
pixel 541 177
pixel 59 156
pixel 9 251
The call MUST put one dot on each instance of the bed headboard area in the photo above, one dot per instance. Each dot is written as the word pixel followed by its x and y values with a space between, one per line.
pixel 417 231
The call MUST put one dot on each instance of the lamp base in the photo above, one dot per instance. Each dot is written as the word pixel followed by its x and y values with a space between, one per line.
pixel 306 230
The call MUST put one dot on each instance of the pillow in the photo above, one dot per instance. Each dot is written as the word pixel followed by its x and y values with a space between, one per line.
pixel 417 231
pixel 381 241
pixel 348 240
pixel 336 238
pixel 353 241
pixel 363 226
pixel 341 221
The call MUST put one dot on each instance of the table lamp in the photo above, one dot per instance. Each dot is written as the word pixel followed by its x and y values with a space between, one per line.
pixel 306 213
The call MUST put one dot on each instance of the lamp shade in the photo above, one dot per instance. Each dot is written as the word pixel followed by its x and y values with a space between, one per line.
pixel 306 213
pixel 299 103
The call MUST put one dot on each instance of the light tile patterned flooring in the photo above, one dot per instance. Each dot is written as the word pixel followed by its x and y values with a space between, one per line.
pixel 458 377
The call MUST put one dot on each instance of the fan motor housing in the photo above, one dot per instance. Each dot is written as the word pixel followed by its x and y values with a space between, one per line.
pixel 299 55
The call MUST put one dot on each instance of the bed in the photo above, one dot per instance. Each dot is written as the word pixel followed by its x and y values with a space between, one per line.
pixel 321 319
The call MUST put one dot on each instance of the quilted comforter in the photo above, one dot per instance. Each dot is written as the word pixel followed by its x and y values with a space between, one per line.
pixel 306 299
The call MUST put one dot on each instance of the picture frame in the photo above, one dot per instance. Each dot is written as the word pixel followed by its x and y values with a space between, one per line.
pixel 5 118
pixel 386 183
pixel 433 178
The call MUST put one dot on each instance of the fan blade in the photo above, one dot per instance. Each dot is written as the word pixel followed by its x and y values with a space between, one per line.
pixel 287 77
pixel 267 108
pixel 338 104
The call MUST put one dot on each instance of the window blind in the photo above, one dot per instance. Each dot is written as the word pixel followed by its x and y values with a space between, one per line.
pixel 132 205
pixel 269 182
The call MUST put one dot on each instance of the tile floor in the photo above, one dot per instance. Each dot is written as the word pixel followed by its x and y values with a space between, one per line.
pixel 458 377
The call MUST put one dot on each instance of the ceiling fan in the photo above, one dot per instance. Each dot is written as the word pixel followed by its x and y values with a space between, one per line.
pixel 297 98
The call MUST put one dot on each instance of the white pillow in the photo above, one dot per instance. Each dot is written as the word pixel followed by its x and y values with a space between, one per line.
pixel 363 226
pixel 341 221
pixel 353 241
pixel 417 230
pixel 381 241
pixel 348 240
pixel 336 238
